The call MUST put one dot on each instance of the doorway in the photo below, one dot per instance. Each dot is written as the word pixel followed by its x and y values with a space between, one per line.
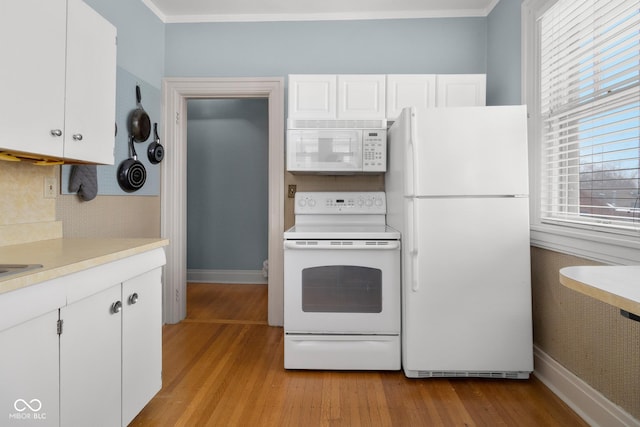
pixel 227 190
pixel 176 92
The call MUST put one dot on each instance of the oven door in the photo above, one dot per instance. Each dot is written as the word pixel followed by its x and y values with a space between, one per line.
pixel 342 287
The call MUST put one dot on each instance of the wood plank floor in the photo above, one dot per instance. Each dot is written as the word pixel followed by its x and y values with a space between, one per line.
pixel 223 366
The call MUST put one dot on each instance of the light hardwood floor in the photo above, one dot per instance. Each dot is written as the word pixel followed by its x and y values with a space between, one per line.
pixel 223 366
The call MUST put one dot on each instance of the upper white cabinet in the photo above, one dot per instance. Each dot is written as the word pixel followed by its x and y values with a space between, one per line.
pixel 410 90
pixel 33 34
pixel 312 96
pixel 352 96
pixel 58 81
pixel 90 107
pixel 373 96
pixel 361 96
pixel 434 90
pixel 461 90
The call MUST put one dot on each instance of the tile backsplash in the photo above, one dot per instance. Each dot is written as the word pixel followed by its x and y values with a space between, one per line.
pixel 25 214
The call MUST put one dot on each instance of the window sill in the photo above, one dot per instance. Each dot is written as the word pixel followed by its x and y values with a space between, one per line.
pixel 596 246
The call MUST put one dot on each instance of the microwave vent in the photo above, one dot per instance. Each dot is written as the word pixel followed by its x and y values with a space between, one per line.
pixel 337 124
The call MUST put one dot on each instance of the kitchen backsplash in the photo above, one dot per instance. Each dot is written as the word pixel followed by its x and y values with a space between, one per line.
pixel 25 214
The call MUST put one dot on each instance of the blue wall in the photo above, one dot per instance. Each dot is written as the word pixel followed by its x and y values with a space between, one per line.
pixel 456 45
pixel 140 38
pixel 503 54
pixel 227 183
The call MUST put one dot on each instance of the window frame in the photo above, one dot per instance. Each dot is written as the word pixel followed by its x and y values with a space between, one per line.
pixel 583 241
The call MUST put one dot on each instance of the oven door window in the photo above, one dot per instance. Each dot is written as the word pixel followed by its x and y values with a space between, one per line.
pixel 341 289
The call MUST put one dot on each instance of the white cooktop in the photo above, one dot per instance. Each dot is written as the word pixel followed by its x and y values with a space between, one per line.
pixel 337 232
pixel 341 215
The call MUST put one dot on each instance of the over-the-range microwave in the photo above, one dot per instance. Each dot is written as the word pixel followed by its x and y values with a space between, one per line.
pixel 337 151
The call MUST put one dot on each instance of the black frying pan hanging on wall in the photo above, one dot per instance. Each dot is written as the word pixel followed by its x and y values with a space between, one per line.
pixel 155 151
pixel 131 172
pixel 139 122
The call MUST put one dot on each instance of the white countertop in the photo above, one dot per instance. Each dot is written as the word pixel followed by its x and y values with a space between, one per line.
pixel 60 257
pixel 615 285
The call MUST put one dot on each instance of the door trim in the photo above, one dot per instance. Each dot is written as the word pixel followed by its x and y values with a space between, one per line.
pixel 173 224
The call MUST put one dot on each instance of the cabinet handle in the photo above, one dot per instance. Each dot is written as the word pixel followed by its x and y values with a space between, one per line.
pixel 77 137
pixel 133 298
pixel 116 307
pixel 56 132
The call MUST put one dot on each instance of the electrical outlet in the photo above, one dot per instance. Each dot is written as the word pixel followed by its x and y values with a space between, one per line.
pixel 50 187
pixel 292 191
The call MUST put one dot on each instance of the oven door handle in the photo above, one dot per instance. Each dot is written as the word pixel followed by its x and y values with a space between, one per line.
pixel 389 246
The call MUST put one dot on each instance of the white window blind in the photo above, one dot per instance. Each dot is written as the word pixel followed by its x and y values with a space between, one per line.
pixel 590 114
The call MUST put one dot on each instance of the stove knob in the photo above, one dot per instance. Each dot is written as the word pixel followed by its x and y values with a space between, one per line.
pixel 360 202
pixel 378 202
pixel 302 203
pixel 312 203
pixel 369 203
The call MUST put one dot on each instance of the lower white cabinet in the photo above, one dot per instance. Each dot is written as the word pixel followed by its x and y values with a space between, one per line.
pixel 141 342
pixel 90 348
pixel 29 373
pixel 83 349
pixel 111 353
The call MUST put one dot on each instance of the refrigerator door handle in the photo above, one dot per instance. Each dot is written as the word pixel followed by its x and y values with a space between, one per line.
pixel 411 155
pixel 413 242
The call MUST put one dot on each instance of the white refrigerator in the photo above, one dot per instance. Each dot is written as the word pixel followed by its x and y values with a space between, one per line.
pixel 457 189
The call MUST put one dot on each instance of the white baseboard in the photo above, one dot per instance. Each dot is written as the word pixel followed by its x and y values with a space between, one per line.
pixel 586 401
pixel 249 277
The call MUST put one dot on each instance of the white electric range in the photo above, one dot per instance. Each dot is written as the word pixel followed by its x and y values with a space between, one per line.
pixel 341 284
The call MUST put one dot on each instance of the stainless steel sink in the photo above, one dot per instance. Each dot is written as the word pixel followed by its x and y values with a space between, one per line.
pixel 9 269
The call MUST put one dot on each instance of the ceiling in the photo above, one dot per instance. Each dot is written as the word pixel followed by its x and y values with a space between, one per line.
pixel 172 11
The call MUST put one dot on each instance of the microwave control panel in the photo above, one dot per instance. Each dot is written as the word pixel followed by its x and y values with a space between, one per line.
pixel 374 150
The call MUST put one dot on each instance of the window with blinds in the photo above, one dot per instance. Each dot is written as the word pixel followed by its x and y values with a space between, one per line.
pixel 590 113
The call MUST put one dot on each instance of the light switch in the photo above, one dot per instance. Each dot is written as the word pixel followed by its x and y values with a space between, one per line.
pixel 50 189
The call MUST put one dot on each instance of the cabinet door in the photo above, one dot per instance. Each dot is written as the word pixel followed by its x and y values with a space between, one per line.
pixel 32 75
pixel 90 108
pixel 410 90
pixel 312 96
pixel 90 361
pixel 461 90
pixel 29 373
pixel 361 96
pixel 141 342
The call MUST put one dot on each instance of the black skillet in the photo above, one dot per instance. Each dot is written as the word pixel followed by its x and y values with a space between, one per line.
pixel 155 151
pixel 131 172
pixel 139 122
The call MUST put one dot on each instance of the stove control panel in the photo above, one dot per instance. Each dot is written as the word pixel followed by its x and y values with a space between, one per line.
pixel 340 202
